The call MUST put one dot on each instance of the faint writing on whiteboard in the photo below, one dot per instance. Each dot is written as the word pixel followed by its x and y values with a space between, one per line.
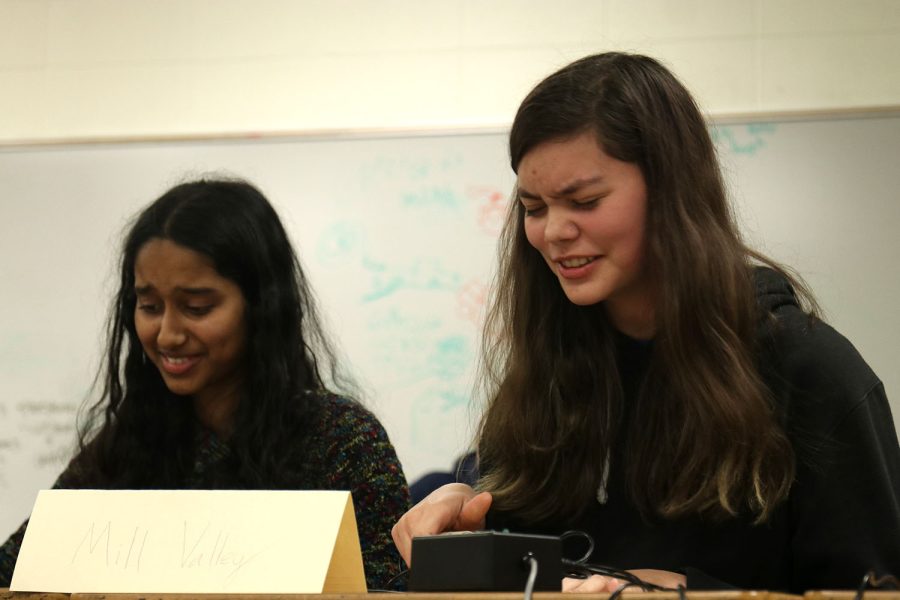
pixel 492 208
pixel 421 274
pixel 442 197
pixel 341 240
pixel 392 168
pixel 743 139
pixel 429 352
pixel 44 407
pixel 470 300
pixel 8 446
pixel 48 426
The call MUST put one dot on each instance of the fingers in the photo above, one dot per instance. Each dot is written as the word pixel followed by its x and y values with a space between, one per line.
pixel 473 513
pixel 420 521
pixel 401 541
pixel 602 584
pixel 592 585
pixel 440 511
pixel 666 579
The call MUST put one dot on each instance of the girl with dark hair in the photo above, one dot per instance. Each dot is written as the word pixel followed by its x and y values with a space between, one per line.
pixel 653 381
pixel 214 372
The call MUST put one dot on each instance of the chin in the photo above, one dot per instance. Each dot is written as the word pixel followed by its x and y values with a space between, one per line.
pixel 584 302
pixel 580 298
pixel 180 389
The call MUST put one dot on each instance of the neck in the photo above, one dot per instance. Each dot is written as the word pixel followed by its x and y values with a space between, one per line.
pixel 634 316
pixel 215 410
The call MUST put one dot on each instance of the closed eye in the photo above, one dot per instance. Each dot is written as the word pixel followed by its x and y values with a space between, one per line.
pixel 199 311
pixel 534 209
pixel 586 204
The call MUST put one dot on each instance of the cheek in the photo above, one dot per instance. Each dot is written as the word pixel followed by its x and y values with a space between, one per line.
pixel 534 233
pixel 635 259
pixel 639 237
pixel 228 334
pixel 145 330
pixel 625 229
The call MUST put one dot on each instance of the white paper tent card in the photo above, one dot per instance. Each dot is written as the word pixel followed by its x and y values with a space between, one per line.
pixel 190 541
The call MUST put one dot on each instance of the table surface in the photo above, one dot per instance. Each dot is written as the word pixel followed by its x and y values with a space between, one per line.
pixel 720 595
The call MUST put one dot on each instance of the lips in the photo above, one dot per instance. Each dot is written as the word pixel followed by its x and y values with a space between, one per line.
pixel 177 365
pixel 573 263
pixel 575 267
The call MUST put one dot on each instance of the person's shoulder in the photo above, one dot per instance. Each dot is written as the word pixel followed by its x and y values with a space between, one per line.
pixel 340 409
pixel 347 420
pixel 804 357
pixel 354 446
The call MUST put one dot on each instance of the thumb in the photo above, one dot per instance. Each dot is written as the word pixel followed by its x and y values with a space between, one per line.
pixel 471 517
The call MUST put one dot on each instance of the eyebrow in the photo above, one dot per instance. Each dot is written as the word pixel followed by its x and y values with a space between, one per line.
pixel 141 290
pixel 570 188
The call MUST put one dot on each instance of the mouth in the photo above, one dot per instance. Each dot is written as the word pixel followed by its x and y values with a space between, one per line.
pixel 574 263
pixel 575 267
pixel 177 365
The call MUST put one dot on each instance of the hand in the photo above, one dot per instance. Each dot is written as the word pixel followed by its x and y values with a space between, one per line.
pixel 595 584
pixel 666 579
pixel 601 584
pixel 453 507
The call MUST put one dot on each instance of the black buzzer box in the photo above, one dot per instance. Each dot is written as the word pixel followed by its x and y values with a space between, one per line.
pixel 488 561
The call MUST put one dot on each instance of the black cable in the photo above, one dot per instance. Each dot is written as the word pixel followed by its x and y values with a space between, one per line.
pixel 581 568
pixel 883 581
pixel 582 534
pixel 532 562
pixel 875 581
pixel 606 571
pixel 392 581
pixel 862 586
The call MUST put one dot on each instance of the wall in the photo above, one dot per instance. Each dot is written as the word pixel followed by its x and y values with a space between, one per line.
pixel 127 67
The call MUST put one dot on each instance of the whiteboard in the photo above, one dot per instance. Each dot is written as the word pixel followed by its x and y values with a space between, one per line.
pixel 397 234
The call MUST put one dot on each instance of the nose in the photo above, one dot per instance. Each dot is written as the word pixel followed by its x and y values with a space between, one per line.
pixel 559 227
pixel 171 332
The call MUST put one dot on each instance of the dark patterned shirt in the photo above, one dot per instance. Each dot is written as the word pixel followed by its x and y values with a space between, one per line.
pixel 358 456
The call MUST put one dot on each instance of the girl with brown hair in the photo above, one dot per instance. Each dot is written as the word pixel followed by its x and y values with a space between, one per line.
pixel 653 381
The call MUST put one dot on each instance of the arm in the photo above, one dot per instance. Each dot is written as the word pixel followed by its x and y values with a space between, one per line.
pixel 846 505
pixel 843 512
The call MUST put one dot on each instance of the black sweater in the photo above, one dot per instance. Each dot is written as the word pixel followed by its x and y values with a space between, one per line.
pixel 842 516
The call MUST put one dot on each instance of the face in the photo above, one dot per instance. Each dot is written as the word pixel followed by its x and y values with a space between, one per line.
pixel 190 321
pixel 585 212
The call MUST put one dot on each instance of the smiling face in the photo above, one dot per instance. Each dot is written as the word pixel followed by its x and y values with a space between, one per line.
pixel 191 324
pixel 585 212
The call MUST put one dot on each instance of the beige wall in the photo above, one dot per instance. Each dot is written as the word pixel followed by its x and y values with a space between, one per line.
pixel 76 68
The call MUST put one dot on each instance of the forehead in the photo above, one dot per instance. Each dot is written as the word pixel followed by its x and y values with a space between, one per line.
pixel 569 156
pixel 164 263
pixel 562 166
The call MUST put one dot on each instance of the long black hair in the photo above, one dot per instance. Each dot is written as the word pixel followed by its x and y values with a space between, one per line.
pixel 141 435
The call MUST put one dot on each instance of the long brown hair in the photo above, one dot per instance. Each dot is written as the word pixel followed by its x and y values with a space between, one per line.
pixel 705 438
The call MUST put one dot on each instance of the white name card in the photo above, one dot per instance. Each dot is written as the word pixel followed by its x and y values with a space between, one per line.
pixel 191 541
